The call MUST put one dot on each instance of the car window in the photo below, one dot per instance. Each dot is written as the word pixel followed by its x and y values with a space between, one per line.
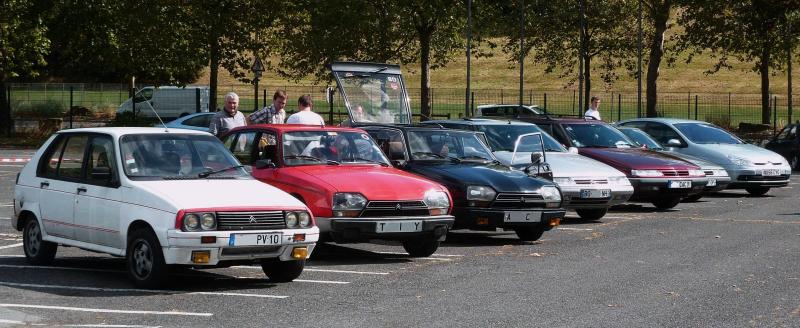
pixel 444 144
pixel 321 147
pixel 243 146
pixel 705 133
pixel 169 155
pixel 101 164
pixel 641 138
pixel 491 111
pixel 662 133
pixel 49 164
pixel 596 135
pixel 71 164
pixel 199 121
pixel 503 137
pixel 793 133
pixel 391 142
pixel 638 125
pixel 267 147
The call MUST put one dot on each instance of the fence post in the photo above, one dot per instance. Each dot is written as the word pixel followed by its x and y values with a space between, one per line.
pixel 689 105
pixel 133 101
pixel 472 104
pixel 573 102
pixel 197 100
pixel 619 107
pixel 502 99
pixel 545 102
pixel 530 97
pixel 71 90
pixel 695 107
pixel 774 114
pixel 264 101
pixel 10 122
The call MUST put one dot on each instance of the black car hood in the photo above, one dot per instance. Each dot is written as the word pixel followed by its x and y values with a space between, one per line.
pixel 460 175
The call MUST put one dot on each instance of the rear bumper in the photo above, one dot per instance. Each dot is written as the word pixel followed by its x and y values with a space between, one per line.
pixel 363 229
pixel 649 189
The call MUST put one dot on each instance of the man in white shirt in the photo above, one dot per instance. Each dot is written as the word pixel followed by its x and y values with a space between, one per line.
pixel 305 115
pixel 594 108
pixel 228 118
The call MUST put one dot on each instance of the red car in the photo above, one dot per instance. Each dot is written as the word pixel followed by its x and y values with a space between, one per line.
pixel 348 183
pixel 661 179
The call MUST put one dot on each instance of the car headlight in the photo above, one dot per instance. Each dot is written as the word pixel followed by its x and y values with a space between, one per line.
pixel 620 181
pixel 550 193
pixel 297 219
pixel 191 222
pixel 291 219
pixel 481 193
pixel 303 219
pixel 739 161
pixel 720 173
pixel 563 181
pixel 347 204
pixel 699 173
pixel 647 173
pixel 208 221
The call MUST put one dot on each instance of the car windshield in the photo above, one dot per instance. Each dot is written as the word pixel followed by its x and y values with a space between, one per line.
pixel 705 133
pixel 171 155
pixel 374 97
pixel 596 135
pixel 641 138
pixel 330 147
pixel 451 145
pixel 502 137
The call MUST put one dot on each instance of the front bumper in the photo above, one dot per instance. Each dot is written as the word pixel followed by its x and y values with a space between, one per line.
pixel 753 177
pixel 720 183
pixel 362 229
pixel 571 196
pixel 489 219
pixel 650 189
pixel 181 245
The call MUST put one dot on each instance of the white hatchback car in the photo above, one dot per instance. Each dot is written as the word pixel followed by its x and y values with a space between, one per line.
pixel 158 198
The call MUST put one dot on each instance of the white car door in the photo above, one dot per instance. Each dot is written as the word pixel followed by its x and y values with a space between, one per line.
pixel 97 204
pixel 60 176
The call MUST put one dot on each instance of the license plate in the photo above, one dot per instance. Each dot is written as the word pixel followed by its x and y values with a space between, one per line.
pixel 680 184
pixel 522 217
pixel 595 193
pixel 255 239
pixel 771 172
pixel 711 183
pixel 398 226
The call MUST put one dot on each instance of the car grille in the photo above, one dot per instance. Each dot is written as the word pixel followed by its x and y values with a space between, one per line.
pixel 383 208
pixel 264 220
pixel 590 181
pixel 674 173
pixel 775 164
pixel 518 200
pixel 709 172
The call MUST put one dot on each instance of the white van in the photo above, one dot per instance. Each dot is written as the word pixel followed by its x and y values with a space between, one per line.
pixel 168 101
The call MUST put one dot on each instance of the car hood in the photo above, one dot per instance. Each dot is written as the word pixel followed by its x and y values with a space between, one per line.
pixel 174 195
pixel 565 164
pixel 703 164
pixel 501 178
pixel 375 182
pixel 626 159
pixel 750 152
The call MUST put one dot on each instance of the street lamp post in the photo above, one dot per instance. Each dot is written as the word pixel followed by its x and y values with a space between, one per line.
pixel 257 69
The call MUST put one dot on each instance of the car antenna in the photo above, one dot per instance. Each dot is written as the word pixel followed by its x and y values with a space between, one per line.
pixel 166 129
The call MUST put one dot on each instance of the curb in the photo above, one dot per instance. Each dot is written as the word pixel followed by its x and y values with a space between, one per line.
pixel 14 160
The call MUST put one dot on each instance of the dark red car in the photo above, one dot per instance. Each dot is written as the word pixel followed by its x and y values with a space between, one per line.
pixel 661 179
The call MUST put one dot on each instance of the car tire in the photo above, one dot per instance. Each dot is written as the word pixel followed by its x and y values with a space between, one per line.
pixel 145 259
pixel 667 203
pixel 757 191
pixel 282 271
pixel 530 233
pixel 592 214
pixel 693 198
pixel 421 247
pixel 37 251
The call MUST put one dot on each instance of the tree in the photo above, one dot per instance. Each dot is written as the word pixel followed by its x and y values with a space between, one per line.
pixel 428 32
pixel 23 46
pixel 658 13
pixel 747 30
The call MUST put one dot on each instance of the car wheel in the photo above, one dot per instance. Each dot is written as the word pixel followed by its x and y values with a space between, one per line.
pixel 530 233
pixel 693 198
pixel 757 191
pixel 282 271
pixel 667 203
pixel 421 247
pixel 592 213
pixel 145 259
pixel 37 251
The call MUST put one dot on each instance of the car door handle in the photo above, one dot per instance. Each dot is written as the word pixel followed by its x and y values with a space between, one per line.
pixel 81 189
pixel 44 184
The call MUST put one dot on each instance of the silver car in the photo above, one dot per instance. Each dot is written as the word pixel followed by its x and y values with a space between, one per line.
pixel 750 167
pixel 587 186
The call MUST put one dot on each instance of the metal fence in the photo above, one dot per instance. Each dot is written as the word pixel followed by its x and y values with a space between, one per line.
pixel 99 102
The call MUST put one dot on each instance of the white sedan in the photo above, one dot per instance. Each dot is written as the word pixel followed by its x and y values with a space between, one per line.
pixel 159 198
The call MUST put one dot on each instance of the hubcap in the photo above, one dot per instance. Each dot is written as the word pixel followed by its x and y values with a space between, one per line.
pixel 34 240
pixel 142 259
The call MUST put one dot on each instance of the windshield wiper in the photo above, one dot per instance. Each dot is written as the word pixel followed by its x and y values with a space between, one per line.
pixel 208 173
pixel 474 157
pixel 369 160
pixel 326 161
pixel 425 153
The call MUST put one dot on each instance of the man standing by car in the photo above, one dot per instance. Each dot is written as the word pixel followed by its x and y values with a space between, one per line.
pixel 229 118
pixel 304 114
pixel 272 114
pixel 594 108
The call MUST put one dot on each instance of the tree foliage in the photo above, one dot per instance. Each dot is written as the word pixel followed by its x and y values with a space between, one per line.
pixel 23 44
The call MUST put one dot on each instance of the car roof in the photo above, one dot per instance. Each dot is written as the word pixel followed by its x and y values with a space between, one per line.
pixel 570 120
pixel 666 120
pixel 299 127
pixel 120 131
pixel 480 121
pixel 366 67
pixel 506 105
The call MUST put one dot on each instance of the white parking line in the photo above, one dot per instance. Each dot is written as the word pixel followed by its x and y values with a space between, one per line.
pixel 15 322
pixel 68 308
pixel 5 218
pixel 6 205
pixel 323 281
pixel 128 290
pixel 345 271
pixel 401 253
pixel 11 246
pixel 574 229
pixel 12 255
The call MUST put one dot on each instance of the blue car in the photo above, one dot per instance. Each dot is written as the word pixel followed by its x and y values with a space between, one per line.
pixel 196 121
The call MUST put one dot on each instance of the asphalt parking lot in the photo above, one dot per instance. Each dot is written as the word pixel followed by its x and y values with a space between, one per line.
pixel 729 260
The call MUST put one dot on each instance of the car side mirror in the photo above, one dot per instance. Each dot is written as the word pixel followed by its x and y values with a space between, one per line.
pixel 674 143
pixel 535 158
pixel 265 164
pixel 398 162
pixel 573 150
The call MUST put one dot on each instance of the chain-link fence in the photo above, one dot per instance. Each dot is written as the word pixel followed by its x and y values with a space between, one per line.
pixel 98 103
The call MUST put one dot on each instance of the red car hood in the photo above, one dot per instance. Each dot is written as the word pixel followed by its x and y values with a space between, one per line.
pixel 626 159
pixel 373 181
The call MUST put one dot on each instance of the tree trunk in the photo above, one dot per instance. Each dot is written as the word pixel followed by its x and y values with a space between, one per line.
pixel 763 69
pixel 425 65
pixel 587 82
pixel 212 80
pixel 5 111
pixel 660 15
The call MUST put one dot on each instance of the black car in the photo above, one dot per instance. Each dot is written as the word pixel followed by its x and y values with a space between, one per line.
pixel 787 143
pixel 486 194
